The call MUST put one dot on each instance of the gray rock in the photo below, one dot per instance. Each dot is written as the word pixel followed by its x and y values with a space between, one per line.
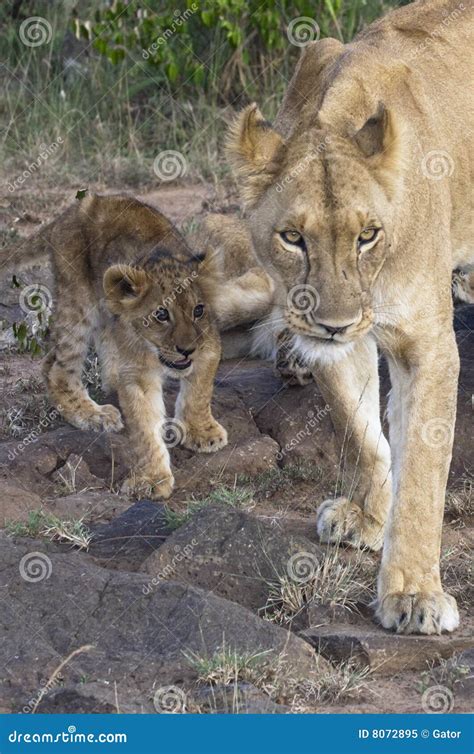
pixel 230 552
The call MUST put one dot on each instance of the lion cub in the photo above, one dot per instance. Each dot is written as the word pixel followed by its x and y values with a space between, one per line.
pixel 126 277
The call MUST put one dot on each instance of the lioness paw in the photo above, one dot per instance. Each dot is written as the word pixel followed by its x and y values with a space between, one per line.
pixel 342 520
pixel 419 613
pixel 154 486
pixel 205 439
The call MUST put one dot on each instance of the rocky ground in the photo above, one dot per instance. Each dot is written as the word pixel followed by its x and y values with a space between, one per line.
pixel 222 600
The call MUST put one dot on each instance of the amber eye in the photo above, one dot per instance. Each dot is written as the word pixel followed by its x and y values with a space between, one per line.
pixel 367 236
pixel 161 314
pixel 198 311
pixel 292 237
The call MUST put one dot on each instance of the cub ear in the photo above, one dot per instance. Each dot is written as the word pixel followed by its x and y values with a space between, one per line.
pixel 124 287
pixel 380 141
pixel 255 150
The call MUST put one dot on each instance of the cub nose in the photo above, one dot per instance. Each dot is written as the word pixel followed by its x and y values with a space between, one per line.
pixel 185 351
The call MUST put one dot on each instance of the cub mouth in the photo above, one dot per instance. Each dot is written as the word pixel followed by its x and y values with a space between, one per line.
pixel 179 364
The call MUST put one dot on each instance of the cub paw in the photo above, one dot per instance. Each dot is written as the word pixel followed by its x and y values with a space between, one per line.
pixel 205 439
pixel 102 418
pixel 342 520
pixel 152 486
pixel 419 613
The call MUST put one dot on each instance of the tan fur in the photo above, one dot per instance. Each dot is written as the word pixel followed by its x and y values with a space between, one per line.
pixel 351 150
pixel 116 262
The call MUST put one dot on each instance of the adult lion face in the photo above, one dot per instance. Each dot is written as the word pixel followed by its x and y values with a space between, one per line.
pixel 319 208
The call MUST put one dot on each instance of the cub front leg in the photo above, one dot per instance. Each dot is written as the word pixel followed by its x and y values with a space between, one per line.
pixel 201 432
pixel 350 385
pixel 142 405
pixel 422 415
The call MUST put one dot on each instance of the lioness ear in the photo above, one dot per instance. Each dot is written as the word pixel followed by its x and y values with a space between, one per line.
pixel 256 150
pixel 379 140
pixel 124 287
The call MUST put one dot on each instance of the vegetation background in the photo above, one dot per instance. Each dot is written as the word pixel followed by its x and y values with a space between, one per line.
pixel 119 81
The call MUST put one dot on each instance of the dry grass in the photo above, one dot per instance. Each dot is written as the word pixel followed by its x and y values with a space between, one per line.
pixel 227 669
pixel 43 524
pixel 447 672
pixel 460 502
pixel 333 582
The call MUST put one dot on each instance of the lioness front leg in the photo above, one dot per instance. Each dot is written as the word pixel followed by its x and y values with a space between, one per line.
pixel 201 432
pixel 422 417
pixel 350 385
pixel 142 405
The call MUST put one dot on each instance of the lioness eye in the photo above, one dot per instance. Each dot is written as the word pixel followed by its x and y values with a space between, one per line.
pixel 292 237
pixel 161 314
pixel 198 311
pixel 368 235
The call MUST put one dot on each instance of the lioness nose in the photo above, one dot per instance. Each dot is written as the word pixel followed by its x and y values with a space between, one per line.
pixel 185 351
pixel 333 330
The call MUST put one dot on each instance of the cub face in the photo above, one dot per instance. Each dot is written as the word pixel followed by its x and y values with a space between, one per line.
pixel 163 306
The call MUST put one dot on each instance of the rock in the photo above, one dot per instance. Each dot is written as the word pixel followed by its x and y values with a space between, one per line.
pixel 75 474
pixel 229 552
pixel 239 698
pixel 140 642
pixel 130 538
pixel 91 505
pixel 385 653
pixel 16 503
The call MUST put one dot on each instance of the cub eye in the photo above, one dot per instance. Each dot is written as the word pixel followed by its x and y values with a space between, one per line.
pixel 367 236
pixel 161 314
pixel 292 237
pixel 198 311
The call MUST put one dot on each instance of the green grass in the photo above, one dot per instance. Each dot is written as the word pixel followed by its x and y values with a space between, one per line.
pixel 236 497
pixel 114 119
pixel 43 524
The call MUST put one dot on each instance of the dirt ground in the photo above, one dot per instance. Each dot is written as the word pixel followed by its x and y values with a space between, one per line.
pixel 74 475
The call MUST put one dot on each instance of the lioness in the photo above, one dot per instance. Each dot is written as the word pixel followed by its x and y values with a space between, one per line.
pixel 358 203
pixel 125 274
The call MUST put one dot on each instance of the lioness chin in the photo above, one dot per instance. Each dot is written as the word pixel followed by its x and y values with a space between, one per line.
pixel 358 204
